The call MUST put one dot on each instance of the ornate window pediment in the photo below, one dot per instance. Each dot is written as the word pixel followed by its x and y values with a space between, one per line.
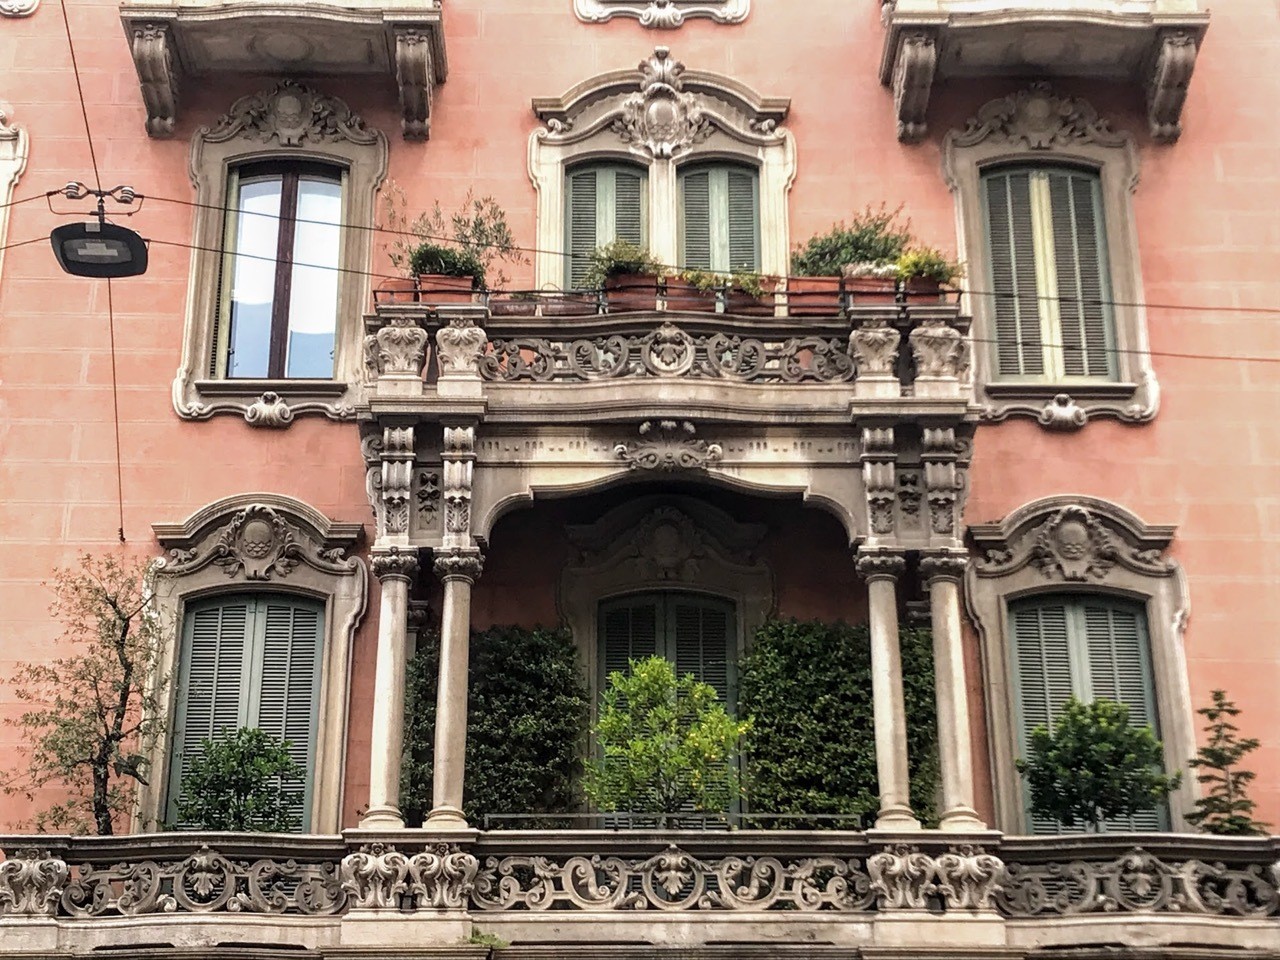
pixel 264 544
pixel 290 126
pixel 660 117
pixel 662 14
pixel 1075 547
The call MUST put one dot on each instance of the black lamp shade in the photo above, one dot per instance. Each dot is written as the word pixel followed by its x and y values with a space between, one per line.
pixel 99 250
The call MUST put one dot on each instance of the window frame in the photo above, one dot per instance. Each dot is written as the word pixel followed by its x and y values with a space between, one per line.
pixel 1013 131
pixel 1125 559
pixel 265 129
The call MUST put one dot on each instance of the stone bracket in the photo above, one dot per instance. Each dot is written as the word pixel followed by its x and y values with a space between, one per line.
pixel 1170 73
pixel 913 69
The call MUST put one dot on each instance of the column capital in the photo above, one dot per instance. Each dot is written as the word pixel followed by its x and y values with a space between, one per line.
pixel 395 563
pixel 877 564
pixel 944 565
pixel 458 563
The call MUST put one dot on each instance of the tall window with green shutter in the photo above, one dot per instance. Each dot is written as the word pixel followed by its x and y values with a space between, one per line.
pixel 1090 648
pixel 248 661
pixel 719 219
pixel 1049 283
pixel 605 202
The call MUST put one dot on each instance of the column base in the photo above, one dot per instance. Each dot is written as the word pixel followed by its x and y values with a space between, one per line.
pixel 961 820
pixel 446 818
pixel 896 817
pixel 381 818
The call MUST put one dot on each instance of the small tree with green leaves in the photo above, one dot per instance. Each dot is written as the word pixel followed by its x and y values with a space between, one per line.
pixel 665 744
pixel 242 781
pixel 1094 766
pixel 1225 809
pixel 96 711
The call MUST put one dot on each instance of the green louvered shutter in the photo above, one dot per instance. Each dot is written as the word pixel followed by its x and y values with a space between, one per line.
pixel 696 220
pixel 743 217
pixel 1042 673
pixel 1016 305
pixel 581 224
pixel 1079 256
pixel 701 631
pixel 289 688
pixel 628 206
pixel 215 662
pixel 1120 670
pixel 628 631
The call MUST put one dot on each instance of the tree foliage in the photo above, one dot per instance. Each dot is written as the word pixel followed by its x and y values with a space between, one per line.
pixel 242 781
pixel 94 712
pixel 806 688
pixel 526 717
pixel 665 744
pixel 1225 808
pixel 875 235
pixel 1094 766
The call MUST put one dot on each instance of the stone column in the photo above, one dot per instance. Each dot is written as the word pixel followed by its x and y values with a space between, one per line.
pixel 881 570
pixel 458 568
pixel 395 568
pixel 943 571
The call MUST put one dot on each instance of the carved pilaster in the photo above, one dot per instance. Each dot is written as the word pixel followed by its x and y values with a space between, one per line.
pixel 396 483
pixel 396 564
pixel 968 877
pixel 912 83
pixel 942 479
pixel 459 455
pixel 1174 62
pixel 878 466
pixel 414 76
pixel 31 883
pixel 458 563
pixel 459 347
pixel 153 56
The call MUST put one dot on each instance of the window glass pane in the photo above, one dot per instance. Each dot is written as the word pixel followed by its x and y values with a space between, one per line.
pixel 313 293
pixel 253 280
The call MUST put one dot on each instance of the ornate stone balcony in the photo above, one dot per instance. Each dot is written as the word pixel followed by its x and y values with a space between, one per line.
pixel 1152 43
pixel 173 40
pixel 562 894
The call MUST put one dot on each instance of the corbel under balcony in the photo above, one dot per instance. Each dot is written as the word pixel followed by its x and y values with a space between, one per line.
pixel 173 41
pixel 1149 42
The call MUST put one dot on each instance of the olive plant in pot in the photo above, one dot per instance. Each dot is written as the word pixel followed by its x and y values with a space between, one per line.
pixel 446 274
pixel 873 237
pixel 629 274
pixel 925 272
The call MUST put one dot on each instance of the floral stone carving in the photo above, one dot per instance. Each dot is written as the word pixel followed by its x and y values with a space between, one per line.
pixel 902 878
pixel 669 445
pixel 662 120
pixel 459 346
pixel 874 346
pixel 31 883
pixel 379 877
pixel 292 115
pixel 968 877
pixel 398 349
pixel 662 14
pixel 374 877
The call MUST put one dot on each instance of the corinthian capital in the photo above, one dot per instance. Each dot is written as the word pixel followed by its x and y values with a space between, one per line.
pixel 880 565
pixel 395 564
pixel 458 563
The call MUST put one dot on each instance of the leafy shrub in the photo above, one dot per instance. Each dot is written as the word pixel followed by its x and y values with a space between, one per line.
pixel 526 716
pixel 241 781
pixel 1094 766
pixel 447 261
pixel 806 689
pixel 618 258
pixel 927 263
pixel 666 743
pixel 1225 809
pixel 873 236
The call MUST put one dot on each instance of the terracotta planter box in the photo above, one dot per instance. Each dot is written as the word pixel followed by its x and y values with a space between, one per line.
pixel 631 291
pixel 512 307
pixel 922 290
pixel 397 290
pixel 570 305
pixel 871 290
pixel 681 295
pixel 749 305
pixel 813 296
pixel 439 288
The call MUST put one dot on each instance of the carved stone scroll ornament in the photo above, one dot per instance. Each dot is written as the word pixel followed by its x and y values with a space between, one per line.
pixel 662 14
pixel 158 75
pixel 379 877
pixel 459 347
pixel 415 75
pixel 397 349
pixel 395 563
pixel 943 480
pixel 458 466
pixel 374 877
pixel 669 445
pixel 1073 545
pixel 31 883
pixel 902 878
pixel 291 115
pixel 1167 85
pixel 1040 119
pixel 1063 414
pixel 18 8
pixel 912 82
pixel 940 350
pixel 878 472
pixel 268 410
pixel 967 877
pixel 395 487
pixel 442 877
pixel 672 881
pixel 662 120
pixel 874 347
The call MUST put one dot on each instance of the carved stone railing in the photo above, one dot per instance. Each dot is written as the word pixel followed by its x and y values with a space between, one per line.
pixel 80 879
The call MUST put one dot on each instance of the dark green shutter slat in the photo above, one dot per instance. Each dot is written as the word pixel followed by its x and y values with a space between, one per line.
pixel 1081 291
pixel 696 220
pixel 744 229
pixel 629 631
pixel 289 683
pixel 702 633
pixel 1042 663
pixel 581 224
pixel 1013 275
pixel 628 211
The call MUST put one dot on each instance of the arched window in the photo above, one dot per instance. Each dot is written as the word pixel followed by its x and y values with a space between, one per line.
pixel 604 202
pixel 248 660
pixel 278 303
pixel 719 218
pixel 1089 647
pixel 1047 256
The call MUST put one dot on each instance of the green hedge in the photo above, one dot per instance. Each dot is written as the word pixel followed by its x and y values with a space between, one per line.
pixel 806 687
pixel 526 724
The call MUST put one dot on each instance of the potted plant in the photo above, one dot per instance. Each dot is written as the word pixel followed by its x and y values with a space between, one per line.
pixel 629 274
pixel 569 303
pixel 446 274
pixel 750 295
pixel 925 271
pixel 871 283
pixel 695 291
pixel 874 236
pixel 520 303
